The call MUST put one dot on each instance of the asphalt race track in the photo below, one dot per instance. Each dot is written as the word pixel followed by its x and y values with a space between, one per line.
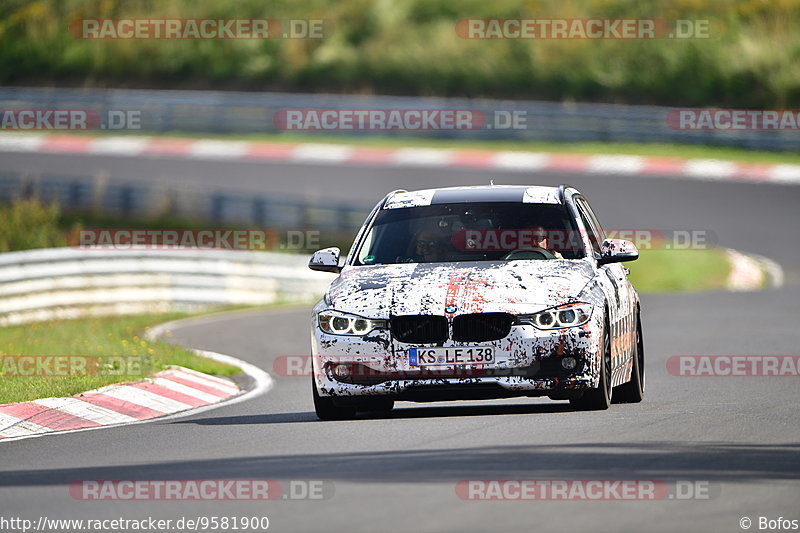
pixel 739 437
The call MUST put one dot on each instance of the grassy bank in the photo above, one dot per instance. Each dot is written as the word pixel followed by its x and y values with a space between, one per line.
pixel 748 59
pixel 680 270
pixel 112 340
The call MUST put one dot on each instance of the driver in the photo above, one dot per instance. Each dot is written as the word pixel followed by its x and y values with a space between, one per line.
pixel 539 240
pixel 427 247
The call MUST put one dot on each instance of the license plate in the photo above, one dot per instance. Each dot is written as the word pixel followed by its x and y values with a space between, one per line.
pixel 450 356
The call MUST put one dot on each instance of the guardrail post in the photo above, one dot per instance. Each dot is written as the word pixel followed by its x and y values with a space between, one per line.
pixel 217 207
pixel 99 185
pixel 342 219
pixel 259 211
pixel 74 194
pixel 126 199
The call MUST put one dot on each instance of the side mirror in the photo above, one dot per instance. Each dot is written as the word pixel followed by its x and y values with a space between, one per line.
pixel 325 260
pixel 617 251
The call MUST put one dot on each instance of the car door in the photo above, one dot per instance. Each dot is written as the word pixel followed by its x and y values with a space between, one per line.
pixel 615 284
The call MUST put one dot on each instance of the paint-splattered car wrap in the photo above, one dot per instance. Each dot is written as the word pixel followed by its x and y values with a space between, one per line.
pixel 528 358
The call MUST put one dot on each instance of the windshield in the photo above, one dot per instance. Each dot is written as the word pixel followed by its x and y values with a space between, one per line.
pixel 471 232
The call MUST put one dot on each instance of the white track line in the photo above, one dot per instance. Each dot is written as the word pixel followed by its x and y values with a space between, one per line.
pixel 774 270
pixel 616 164
pixel 145 398
pixel 789 174
pixel 421 157
pixel 18 427
pixel 119 145
pixel 210 149
pixel 227 388
pixel 183 389
pixel 709 169
pixel 85 410
pixel 207 377
pixel 330 153
pixel 521 160
pixel 21 143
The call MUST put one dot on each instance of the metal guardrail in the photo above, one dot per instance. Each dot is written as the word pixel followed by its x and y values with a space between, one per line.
pixel 222 112
pixel 57 283
pixel 132 200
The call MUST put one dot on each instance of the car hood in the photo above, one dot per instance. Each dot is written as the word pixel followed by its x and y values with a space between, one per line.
pixel 378 291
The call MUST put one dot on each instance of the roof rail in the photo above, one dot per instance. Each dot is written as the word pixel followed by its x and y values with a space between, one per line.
pixel 562 192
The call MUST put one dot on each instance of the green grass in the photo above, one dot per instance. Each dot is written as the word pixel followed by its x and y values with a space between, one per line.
pixel 106 338
pixel 679 270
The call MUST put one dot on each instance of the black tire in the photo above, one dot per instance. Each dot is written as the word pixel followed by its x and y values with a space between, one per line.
pixel 633 391
pixel 378 405
pixel 598 399
pixel 326 409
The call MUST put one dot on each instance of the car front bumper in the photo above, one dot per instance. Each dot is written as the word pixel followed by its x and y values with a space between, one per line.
pixel 529 363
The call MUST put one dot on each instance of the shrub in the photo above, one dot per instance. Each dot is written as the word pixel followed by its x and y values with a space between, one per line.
pixel 28 223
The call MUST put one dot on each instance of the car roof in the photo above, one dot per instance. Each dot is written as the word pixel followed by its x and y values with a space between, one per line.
pixel 481 193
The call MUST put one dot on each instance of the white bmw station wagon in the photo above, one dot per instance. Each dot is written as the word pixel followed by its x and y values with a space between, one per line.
pixel 469 293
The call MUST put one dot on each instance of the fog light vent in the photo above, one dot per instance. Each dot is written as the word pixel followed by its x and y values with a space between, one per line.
pixel 342 371
pixel 568 363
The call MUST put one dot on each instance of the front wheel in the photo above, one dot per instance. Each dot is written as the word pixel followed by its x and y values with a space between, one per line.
pixel 598 399
pixel 326 409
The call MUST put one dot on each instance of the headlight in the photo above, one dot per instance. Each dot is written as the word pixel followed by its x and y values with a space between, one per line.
pixel 563 316
pixel 337 323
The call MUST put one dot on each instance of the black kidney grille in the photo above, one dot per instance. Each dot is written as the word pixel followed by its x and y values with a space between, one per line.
pixel 481 327
pixel 419 328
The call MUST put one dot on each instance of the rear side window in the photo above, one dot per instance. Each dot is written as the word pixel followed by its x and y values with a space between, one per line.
pixel 590 223
pixel 593 218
